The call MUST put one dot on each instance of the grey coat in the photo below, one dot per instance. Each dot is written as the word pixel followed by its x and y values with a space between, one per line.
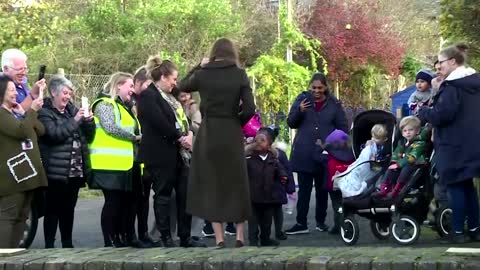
pixel 218 187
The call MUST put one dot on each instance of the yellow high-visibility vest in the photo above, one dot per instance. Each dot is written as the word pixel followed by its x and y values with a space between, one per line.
pixel 107 152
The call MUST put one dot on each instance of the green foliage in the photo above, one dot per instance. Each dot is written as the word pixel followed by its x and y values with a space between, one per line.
pixel 112 35
pixel 410 67
pixel 460 21
pixel 278 82
pixel 29 26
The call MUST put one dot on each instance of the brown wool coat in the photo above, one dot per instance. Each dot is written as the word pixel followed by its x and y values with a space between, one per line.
pixel 218 187
pixel 12 133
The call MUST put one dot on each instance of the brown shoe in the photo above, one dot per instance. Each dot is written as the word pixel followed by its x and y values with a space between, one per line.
pixel 239 244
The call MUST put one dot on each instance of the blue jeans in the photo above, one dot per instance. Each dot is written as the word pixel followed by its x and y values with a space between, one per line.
pixel 463 201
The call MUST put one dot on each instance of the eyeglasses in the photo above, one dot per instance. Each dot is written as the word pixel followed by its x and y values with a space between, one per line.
pixel 19 69
pixel 440 62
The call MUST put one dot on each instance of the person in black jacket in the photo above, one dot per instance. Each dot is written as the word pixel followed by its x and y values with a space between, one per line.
pixel 267 179
pixel 64 149
pixel 165 150
pixel 454 117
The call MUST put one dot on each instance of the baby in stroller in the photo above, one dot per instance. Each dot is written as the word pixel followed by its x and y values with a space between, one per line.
pixel 409 153
pixel 353 181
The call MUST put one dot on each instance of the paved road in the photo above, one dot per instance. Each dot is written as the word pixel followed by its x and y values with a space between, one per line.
pixel 87 231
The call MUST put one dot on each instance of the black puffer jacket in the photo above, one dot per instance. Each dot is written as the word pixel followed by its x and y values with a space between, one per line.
pixel 57 144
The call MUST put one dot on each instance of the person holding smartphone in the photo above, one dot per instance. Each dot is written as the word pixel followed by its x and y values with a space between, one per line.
pixel 314 114
pixel 14 65
pixel 65 155
pixel 21 171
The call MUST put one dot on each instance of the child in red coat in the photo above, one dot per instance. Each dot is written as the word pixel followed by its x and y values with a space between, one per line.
pixel 339 155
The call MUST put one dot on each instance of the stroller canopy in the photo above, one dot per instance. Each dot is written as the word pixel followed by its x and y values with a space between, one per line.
pixel 362 126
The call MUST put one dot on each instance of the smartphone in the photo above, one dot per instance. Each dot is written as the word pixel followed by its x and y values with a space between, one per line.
pixel 41 72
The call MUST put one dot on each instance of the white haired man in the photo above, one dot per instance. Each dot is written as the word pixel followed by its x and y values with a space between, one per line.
pixel 14 65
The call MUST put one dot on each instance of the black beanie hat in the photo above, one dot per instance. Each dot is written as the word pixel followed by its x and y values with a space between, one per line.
pixel 424 75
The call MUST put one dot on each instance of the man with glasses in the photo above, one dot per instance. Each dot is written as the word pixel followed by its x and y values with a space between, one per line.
pixel 14 65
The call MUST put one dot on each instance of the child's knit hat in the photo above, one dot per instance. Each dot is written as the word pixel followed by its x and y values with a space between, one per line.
pixel 337 136
pixel 424 75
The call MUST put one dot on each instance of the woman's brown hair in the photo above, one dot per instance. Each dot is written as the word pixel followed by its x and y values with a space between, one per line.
pixel 156 68
pixel 224 49
pixel 457 52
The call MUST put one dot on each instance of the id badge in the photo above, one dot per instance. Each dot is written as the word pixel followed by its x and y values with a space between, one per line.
pixel 27 145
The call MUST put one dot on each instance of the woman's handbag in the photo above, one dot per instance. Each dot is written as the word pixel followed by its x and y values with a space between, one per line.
pixel 252 126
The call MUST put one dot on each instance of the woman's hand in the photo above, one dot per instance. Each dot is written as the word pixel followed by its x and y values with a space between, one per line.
pixel 37 104
pixel 304 105
pixel 186 141
pixel 80 115
pixel 18 109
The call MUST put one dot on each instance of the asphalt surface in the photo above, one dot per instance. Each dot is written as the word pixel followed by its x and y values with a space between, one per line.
pixel 87 230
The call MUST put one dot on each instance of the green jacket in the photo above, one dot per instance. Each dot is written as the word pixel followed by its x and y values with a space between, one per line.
pixel 20 170
pixel 411 152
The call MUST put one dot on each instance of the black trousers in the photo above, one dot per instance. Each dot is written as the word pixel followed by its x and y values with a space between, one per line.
pixel 164 181
pixel 261 218
pixel 115 215
pixel 59 212
pixel 138 206
pixel 142 197
pixel 305 185
pixel 278 219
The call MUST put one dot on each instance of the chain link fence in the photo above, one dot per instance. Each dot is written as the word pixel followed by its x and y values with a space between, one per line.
pixel 87 85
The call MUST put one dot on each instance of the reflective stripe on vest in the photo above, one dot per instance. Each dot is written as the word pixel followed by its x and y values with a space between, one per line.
pixel 182 120
pixel 110 153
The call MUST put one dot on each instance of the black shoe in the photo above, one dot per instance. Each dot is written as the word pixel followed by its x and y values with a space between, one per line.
pixel 146 239
pixel 118 242
pixel 239 244
pixel 67 244
pixel 334 230
pixel 297 229
pixel 321 227
pixel 230 230
pixel 208 230
pixel 144 244
pixel 269 243
pixel 454 238
pixel 189 242
pixel 168 242
pixel 474 234
pixel 281 236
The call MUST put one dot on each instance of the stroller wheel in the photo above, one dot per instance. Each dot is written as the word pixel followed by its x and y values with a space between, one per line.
pixel 380 230
pixel 349 231
pixel 443 221
pixel 405 230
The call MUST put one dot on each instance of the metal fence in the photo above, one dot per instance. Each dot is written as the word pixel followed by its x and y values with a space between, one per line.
pixel 85 84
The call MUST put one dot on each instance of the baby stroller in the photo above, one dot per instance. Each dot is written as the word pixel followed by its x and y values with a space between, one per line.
pixel 400 217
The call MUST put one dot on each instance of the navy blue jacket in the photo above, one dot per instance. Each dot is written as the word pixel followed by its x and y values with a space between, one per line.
pixel 454 116
pixel 311 126
pixel 289 187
